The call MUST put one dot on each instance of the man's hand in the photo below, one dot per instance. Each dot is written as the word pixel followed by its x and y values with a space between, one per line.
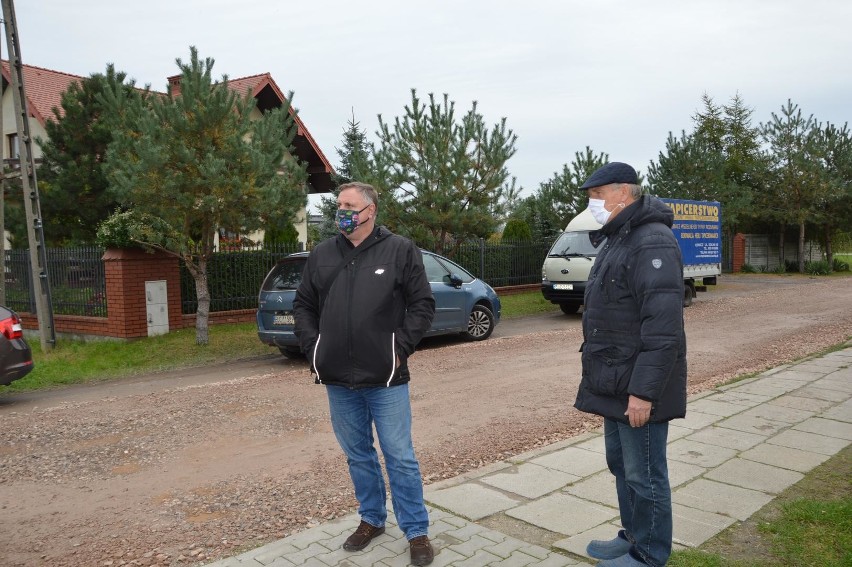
pixel 638 411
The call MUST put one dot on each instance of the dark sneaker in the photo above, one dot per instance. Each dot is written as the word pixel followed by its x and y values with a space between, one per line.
pixel 421 551
pixel 608 549
pixel 362 537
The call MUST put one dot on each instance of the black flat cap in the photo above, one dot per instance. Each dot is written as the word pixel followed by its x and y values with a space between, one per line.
pixel 613 172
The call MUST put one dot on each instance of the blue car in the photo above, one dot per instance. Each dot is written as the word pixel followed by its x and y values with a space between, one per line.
pixel 463 304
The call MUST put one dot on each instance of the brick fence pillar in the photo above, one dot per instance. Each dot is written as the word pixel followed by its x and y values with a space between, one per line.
pixel 127 270
pixel 739 251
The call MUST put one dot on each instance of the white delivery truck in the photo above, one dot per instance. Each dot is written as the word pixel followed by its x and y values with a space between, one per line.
pixel 697 227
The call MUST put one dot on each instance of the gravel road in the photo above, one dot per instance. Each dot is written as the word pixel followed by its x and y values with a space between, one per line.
pixel 186 467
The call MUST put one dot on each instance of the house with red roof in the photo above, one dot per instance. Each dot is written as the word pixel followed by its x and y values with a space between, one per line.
pixel 44 88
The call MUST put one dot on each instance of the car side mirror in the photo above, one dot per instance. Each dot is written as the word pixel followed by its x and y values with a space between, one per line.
pixel 455 280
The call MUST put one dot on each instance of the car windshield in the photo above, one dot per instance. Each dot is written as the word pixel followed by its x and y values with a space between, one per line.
pixel 285 275
pixel 575 243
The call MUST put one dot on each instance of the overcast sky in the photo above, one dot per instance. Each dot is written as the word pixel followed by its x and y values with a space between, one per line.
pixel 615 75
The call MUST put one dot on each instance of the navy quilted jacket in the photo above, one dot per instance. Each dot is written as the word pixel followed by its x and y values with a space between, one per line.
pixel 633 337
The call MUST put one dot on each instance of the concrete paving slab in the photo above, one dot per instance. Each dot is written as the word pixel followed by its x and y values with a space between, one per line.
pixel 572 460
pixel 809 442
pixel 700 454
pixel 563 513
pixel 471 500
pixel 739 398
pixel 752 424
pixel 778 413
pixel 830 427
pixel 764 387
pixel 598 488
pixel 697 420
pixel 796 375
pixel 681 473
pixel 785 457
pixel 693 527
pixel 840 380
pixel 711 496
pixel 812 391
pixel 754 475
pixel 677 432
pixel 724 437
pixel 798 402
pixel 714 406
pixel 529 480
pixel 841 412
pixel 576 544
pixel 595 445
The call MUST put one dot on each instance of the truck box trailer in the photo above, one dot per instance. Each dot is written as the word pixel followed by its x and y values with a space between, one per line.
pixel 697 227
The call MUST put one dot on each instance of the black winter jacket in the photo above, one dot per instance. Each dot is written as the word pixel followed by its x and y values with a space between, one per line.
pixel 377 309
pixel 633 337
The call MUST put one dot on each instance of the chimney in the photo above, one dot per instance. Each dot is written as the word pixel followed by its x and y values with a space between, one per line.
pixel 174 84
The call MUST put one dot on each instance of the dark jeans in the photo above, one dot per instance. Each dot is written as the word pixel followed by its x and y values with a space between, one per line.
pixel 637 458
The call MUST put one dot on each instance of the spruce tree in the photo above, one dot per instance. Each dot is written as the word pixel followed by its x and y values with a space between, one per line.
pixel 72 182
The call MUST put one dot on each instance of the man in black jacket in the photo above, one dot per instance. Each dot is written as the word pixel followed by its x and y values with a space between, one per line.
pixel 634 358
pixel 363 305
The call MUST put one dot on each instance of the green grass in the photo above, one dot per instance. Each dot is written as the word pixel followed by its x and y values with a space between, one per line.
pixel 527 303
pixel 78 361
pixel 810 523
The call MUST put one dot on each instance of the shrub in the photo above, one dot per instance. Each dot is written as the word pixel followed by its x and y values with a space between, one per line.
pixel 748 269
pixel 817 268
pixel 839 265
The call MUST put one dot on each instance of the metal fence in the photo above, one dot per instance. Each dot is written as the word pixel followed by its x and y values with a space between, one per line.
pixel 502 264
pixel 76 276
pixel 234 277
pixel 78 281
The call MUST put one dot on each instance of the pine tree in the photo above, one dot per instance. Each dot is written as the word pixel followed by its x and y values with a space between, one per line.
pixel 195 162
pixel 792 194
pixel 442 179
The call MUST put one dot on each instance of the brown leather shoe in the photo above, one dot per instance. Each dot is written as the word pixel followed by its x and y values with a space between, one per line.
pixel 421 551
pixel 362 537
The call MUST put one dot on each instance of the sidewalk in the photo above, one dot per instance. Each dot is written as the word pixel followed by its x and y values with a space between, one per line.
pixel 738 447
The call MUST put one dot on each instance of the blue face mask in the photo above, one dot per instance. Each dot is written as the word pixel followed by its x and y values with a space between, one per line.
pixel 348 221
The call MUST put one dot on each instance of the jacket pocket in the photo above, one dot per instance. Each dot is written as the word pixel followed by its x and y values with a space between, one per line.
pixel 607 368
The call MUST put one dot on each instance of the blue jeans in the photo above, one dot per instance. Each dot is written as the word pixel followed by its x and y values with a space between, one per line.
pixel 353 413
pixel 637 458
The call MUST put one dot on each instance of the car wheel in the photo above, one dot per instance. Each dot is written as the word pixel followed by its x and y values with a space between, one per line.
pixel 290 352
pixel 480 323
pixel 569 308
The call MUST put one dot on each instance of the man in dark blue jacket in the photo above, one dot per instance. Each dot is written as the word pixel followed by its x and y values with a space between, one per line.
pixel 634 358
pixel 363 305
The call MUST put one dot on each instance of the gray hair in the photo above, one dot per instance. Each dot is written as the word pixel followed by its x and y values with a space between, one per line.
pixel 635 190
pixel 367 191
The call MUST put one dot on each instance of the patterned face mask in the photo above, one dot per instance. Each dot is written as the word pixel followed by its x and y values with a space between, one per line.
pixel 348 221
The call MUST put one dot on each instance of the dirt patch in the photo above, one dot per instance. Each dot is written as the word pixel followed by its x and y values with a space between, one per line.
pixel 180 468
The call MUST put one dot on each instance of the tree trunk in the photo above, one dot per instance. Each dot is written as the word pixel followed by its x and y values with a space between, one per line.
pixel 829 255
pixel 801 247
pixel 781 255
pixel 202 294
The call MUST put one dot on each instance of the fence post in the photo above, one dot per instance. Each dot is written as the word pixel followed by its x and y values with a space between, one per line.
pixel 482 259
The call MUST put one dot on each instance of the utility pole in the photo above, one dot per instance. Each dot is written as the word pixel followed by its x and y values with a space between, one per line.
pixel 2 196
pixel 35 232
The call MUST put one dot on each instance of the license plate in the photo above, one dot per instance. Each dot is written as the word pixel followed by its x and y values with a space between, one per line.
pixel 565 286
pixel 283 319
